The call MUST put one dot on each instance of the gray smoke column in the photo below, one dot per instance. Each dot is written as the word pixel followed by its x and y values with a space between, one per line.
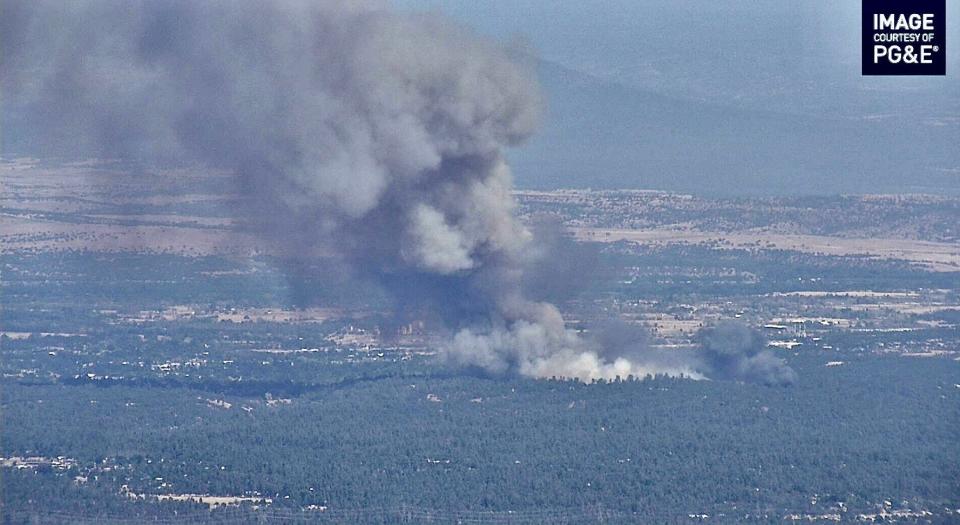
pixel 734 351
pixel 374 134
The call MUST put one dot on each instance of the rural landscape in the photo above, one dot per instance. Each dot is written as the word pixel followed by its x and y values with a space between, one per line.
pixel 459 262
pixel 157 361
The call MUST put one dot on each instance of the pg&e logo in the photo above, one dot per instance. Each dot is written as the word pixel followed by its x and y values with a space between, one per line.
pixel 904 37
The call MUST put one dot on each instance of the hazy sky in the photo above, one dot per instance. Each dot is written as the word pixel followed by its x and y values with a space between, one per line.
pixel 721 97
pixel 786 65
pixel 722 49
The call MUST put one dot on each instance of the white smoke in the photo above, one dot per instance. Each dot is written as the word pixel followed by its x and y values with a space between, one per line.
pixel 539 344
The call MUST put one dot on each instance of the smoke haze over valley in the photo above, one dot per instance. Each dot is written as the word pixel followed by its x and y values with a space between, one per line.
pixel 731 98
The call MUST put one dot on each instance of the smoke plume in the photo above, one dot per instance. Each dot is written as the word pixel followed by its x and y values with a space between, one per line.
pixel 377 135
pixel 734 351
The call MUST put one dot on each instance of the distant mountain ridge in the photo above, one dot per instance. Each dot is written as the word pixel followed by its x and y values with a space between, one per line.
pixel 601 134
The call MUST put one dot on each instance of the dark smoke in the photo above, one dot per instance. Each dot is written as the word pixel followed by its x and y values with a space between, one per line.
pixel 348 129
pixel 734 351
pixel 559 269
pixel 375 135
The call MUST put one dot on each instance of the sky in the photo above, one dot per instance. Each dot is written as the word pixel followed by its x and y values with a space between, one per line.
pixel 729 97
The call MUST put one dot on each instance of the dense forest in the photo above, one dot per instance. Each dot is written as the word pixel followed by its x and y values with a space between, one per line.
pixel 856 435
pixel 109 404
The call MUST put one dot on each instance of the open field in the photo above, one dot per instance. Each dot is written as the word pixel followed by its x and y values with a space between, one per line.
pixel 936 256
pixel 89 206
